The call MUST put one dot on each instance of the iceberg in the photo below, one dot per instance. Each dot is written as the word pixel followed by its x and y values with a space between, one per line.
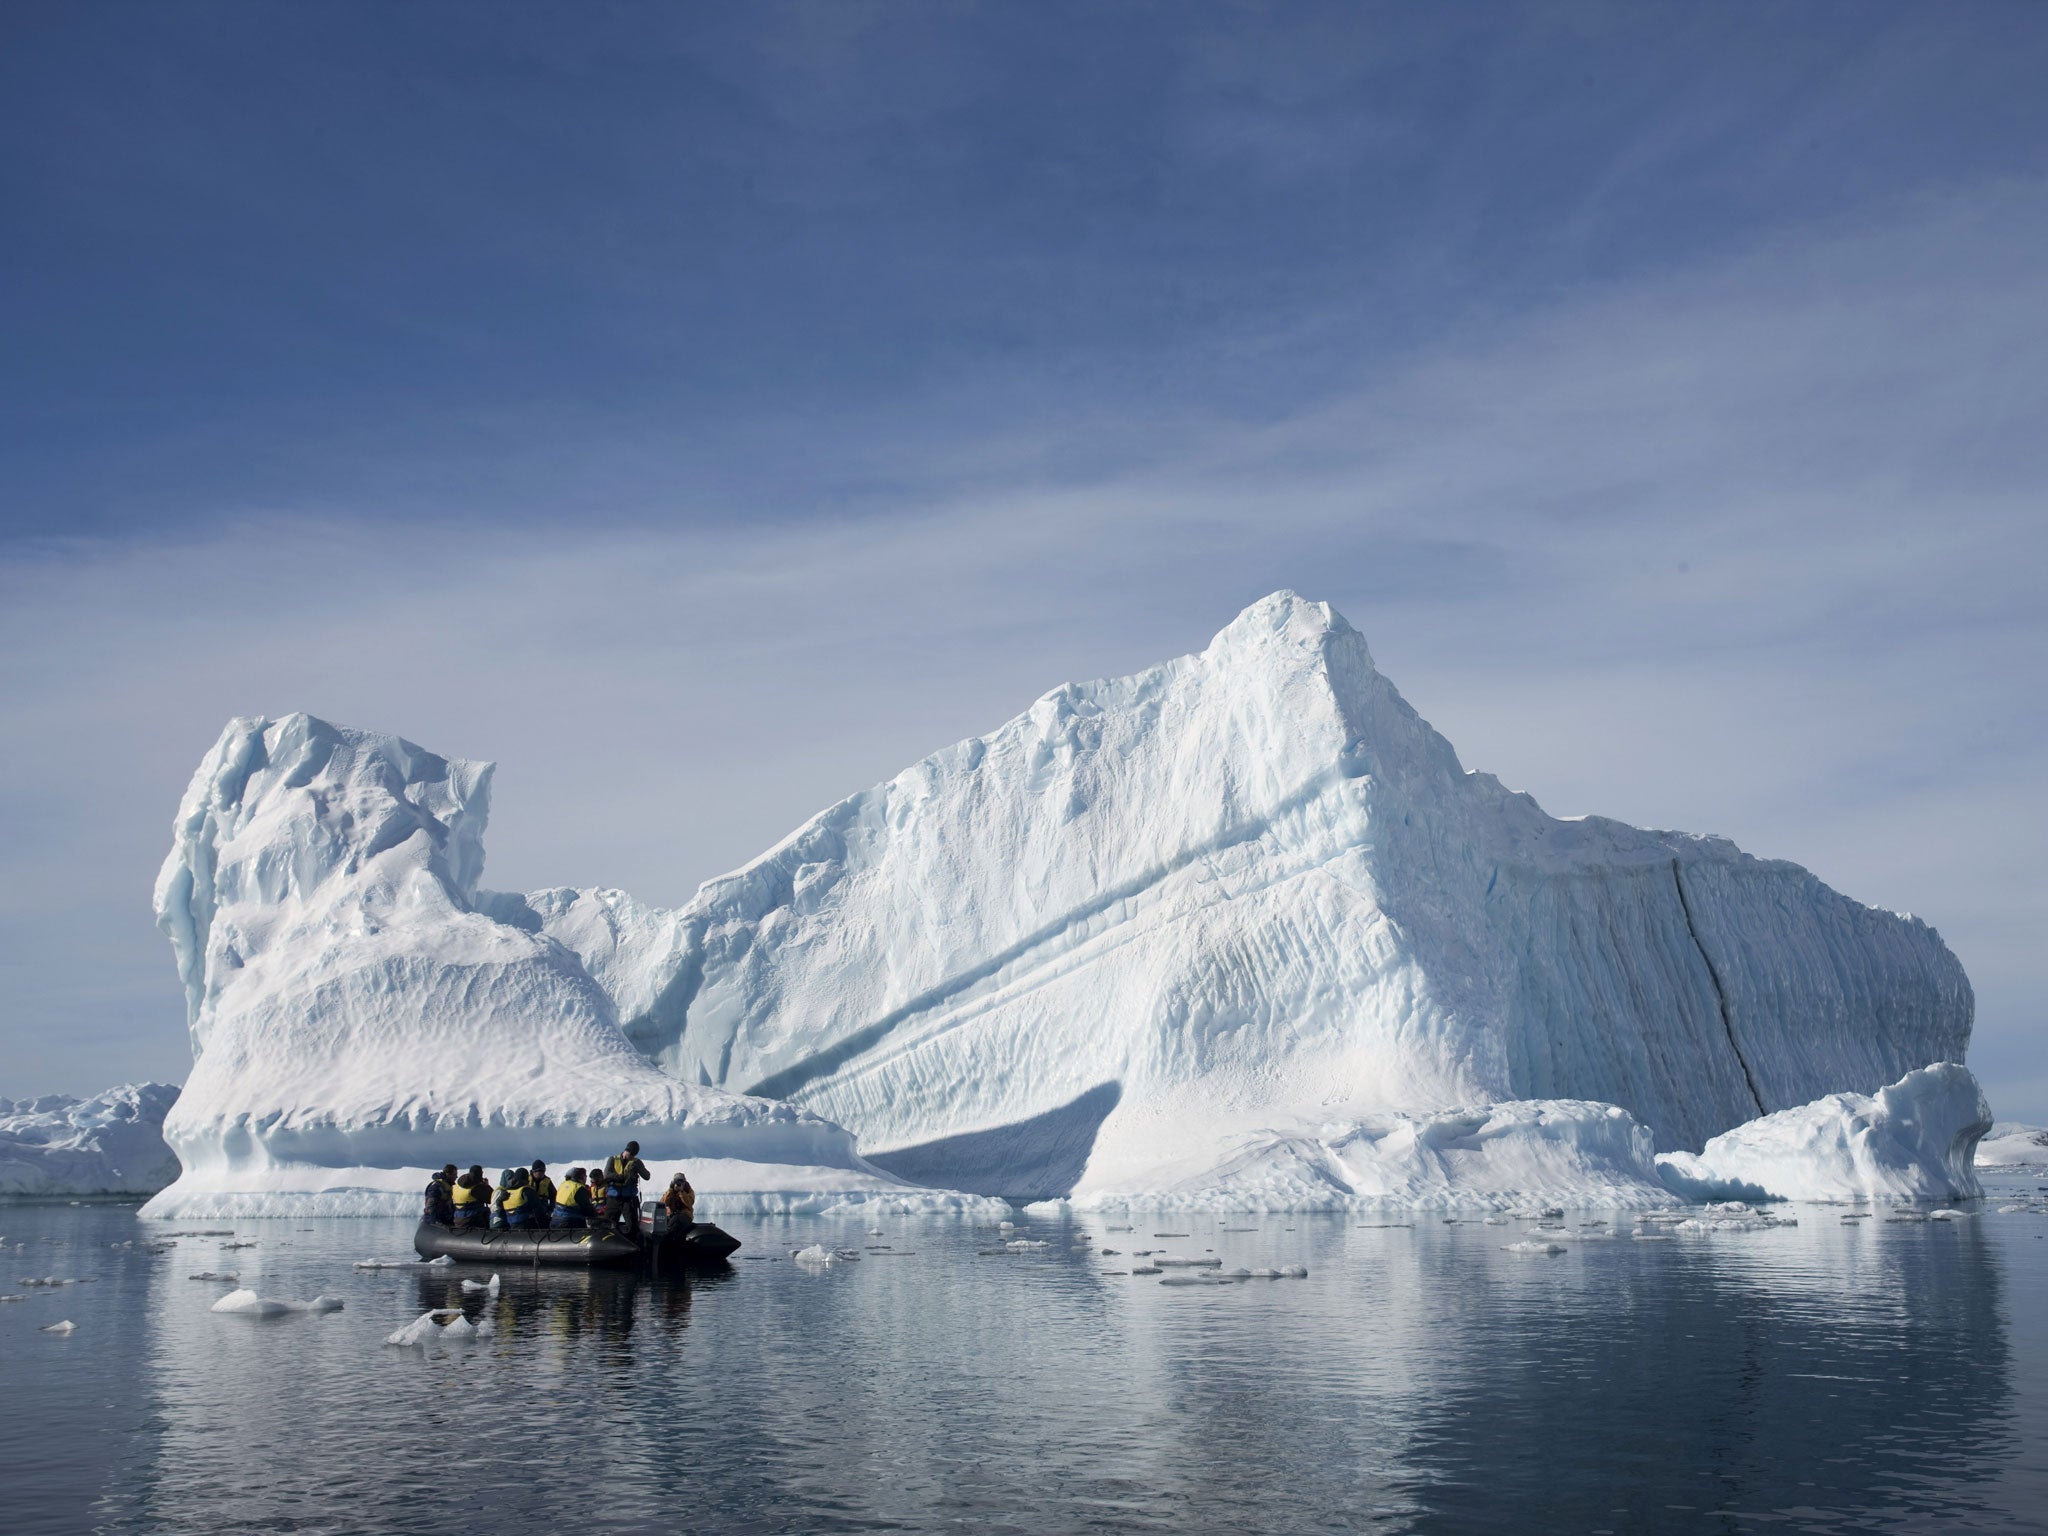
pixel 1247 889
pixel 1239 927
pixel 2013 1146
pixel 109 1144
pixel 1915 1140
pixel 358 1017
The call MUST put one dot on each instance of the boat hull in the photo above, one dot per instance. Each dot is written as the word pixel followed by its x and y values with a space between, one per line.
pixel 703 1246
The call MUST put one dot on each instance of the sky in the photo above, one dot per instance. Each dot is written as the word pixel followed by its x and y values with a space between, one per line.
pixel 705 412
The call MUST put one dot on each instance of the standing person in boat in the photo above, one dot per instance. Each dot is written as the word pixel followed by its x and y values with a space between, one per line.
pixel 471 1198
pixel 542 1207
pixel 680 1201
pixel 440 1198
pixel 622 1176
pixel 572 1201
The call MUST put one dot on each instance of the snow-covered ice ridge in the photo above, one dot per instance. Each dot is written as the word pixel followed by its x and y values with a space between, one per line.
pixel 109 1144
pixel 1246 896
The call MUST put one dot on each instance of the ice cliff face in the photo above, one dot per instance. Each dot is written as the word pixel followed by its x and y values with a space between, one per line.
pixel 351 1008
pixel 109 1144
pixel 1245 898
pixel 1250 889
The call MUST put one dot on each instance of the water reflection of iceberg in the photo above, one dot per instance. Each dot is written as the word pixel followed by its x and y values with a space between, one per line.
pixel 1422 1380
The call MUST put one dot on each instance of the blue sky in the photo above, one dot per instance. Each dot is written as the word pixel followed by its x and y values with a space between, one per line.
pixel 707 411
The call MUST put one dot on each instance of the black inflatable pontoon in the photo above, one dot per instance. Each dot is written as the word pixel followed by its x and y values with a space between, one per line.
pixel 701 1247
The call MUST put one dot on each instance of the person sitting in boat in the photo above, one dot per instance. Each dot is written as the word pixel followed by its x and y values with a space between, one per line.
pixel 515 1200
pixel 471 1198
pixel 680 1201
pixel 543 1202
pixel 440 1198
pixel 573 1207
pixel 622 1176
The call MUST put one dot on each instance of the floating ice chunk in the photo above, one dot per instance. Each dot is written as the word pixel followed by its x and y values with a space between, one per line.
pixel 67 1326
pixel 13 1298
pixel 1496 1221
pixel 1947 1215
pixel 1531 1246
pixel 490 1286
pixel 1295 1272
pixel 48 1283
pixel 1026 1245
pixel 207 1274
pixel 1913 1140
pixel 816 1256
pixel 1173 1261
pixel 424 1328
pixel 459 1327
pixel 1234 1274
pixel 1146 1269
pixel 876 1232
pixel 1006 1226
pixel 249 1304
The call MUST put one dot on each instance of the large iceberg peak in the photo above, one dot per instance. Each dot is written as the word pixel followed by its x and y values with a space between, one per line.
pixel 286 811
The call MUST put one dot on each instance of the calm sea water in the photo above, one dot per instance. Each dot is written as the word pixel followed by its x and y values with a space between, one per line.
pixel 1830 1377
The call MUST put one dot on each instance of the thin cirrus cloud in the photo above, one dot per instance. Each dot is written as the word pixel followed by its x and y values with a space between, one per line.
pixel 1747 546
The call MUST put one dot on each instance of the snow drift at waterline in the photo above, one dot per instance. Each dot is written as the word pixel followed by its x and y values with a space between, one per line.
pixel 1244 908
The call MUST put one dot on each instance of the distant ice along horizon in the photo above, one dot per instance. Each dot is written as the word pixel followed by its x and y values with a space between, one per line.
pixel 1237 928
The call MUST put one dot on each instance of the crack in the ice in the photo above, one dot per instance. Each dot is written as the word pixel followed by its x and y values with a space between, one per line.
pixel 1720 992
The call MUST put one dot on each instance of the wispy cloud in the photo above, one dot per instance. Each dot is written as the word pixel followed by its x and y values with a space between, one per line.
pixel 1751 547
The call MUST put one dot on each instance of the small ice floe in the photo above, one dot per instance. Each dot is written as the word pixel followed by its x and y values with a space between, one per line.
pixel 488 1287
pixel 1948 1215
pixel 249 1304
pixel 1857 1216
pixel 1026 1245
pixel 1530 1245
pixel 1208 1280
pixel 1147 1269
pixel 1552 1213
pixel 1234 1274
pixel 250 1244
pixel 816 1256
pixel 1173 1261
pixel 1111 1253
pixel 876 1232
pixel 2003 1210
pixel 13 1298
pixel 47 1283
pixel 1496 1220
pixel 1006 1226
pixel 443 1324
pixel 1116 1229
pixel 1727 1208
pixel 1169 1234
pixel 1907 1216
pixel 207 1274
pixel 67 1326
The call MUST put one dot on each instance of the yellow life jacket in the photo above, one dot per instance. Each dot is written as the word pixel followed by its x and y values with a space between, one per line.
pixel 515 1198
pixel 465 1194
pixel 567 1191
pixel 543 1187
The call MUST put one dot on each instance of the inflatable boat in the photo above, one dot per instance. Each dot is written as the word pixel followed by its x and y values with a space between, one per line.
pixel 703 1246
